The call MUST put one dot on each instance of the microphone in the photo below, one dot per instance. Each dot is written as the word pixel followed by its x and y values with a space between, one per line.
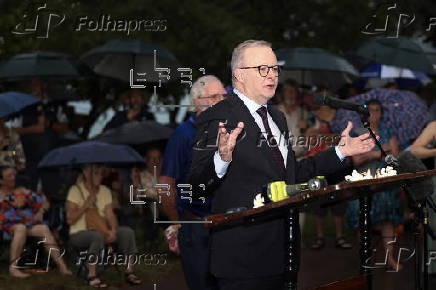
pixel 279 190
pixel 322 99
pixel 421 187
pixel 392 161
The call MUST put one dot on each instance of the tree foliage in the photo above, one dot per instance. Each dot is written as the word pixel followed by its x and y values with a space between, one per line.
pixel 203 33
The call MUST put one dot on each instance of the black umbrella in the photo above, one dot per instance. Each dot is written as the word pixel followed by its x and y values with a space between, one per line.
pixel 42 64
pixel 90 152
pixel 315 66
pixel 135 133
pixel 116 58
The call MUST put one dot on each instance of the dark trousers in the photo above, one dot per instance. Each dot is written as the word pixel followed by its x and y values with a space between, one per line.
pixel 264 283
pixel 194 251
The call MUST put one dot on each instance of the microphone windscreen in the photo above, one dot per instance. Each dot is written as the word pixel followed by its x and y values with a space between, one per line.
pixel 422 187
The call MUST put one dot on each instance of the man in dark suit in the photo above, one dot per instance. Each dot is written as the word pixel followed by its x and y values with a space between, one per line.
pixel 252 151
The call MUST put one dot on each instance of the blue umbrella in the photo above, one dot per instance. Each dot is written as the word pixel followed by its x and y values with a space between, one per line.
pixel 403 76
pixel 90 152
pixel 13 102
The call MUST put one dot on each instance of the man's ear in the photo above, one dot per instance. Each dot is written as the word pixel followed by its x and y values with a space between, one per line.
pixel 237 74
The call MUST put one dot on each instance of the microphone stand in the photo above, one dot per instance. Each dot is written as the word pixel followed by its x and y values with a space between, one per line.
pixel 365 122
pixel 365 203
pixel 420 218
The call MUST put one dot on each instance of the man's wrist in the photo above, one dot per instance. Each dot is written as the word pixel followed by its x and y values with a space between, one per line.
pixel 223 158
pixel 220 165
pixel 340 153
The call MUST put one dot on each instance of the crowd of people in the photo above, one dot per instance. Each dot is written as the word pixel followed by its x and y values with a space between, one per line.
pixel 27 194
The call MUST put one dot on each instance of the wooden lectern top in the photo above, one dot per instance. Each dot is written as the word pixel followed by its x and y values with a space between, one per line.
pixel 322 197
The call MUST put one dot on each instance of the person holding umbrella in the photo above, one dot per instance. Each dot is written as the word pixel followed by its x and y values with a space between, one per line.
pixel 88 193
pixel 39 130
pixel 89 209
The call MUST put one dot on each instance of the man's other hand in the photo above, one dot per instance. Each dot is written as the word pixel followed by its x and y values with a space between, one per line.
pixel 227 141
pixel 352 146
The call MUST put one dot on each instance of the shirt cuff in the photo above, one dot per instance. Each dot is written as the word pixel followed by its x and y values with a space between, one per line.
pixel 339 153
pixel 220 165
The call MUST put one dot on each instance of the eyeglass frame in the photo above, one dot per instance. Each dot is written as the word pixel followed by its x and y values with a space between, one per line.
pixel 213 96
pixel 279 68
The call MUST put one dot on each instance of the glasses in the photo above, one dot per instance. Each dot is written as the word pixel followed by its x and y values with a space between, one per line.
pixel 214 96
pixel 264 69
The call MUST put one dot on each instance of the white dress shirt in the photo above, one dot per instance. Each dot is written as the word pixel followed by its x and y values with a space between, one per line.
pixel 221 166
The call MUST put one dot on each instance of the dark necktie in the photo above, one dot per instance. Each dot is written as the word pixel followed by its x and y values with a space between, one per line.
pixel 277 155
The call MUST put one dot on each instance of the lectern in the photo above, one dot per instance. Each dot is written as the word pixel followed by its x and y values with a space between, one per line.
pixel 331 194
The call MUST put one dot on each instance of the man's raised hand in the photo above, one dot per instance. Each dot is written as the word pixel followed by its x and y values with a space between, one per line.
pixel 352 146
pixel 227 141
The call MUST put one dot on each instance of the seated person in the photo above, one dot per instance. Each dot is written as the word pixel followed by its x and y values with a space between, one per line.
pixel 21 216
pixel 89 193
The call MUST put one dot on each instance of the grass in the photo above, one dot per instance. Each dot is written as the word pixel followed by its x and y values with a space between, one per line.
pixel 53 281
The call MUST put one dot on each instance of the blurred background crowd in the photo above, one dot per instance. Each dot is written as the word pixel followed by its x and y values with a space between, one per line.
pixel 55 105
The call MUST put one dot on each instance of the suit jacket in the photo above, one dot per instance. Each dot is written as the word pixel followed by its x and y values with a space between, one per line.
pixel 255 248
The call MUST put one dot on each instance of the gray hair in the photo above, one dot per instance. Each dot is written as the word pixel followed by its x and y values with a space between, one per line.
pixel 197 89
pixel 239 50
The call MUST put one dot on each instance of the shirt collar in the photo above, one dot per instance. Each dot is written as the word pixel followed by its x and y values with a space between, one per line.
pixel 249 103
